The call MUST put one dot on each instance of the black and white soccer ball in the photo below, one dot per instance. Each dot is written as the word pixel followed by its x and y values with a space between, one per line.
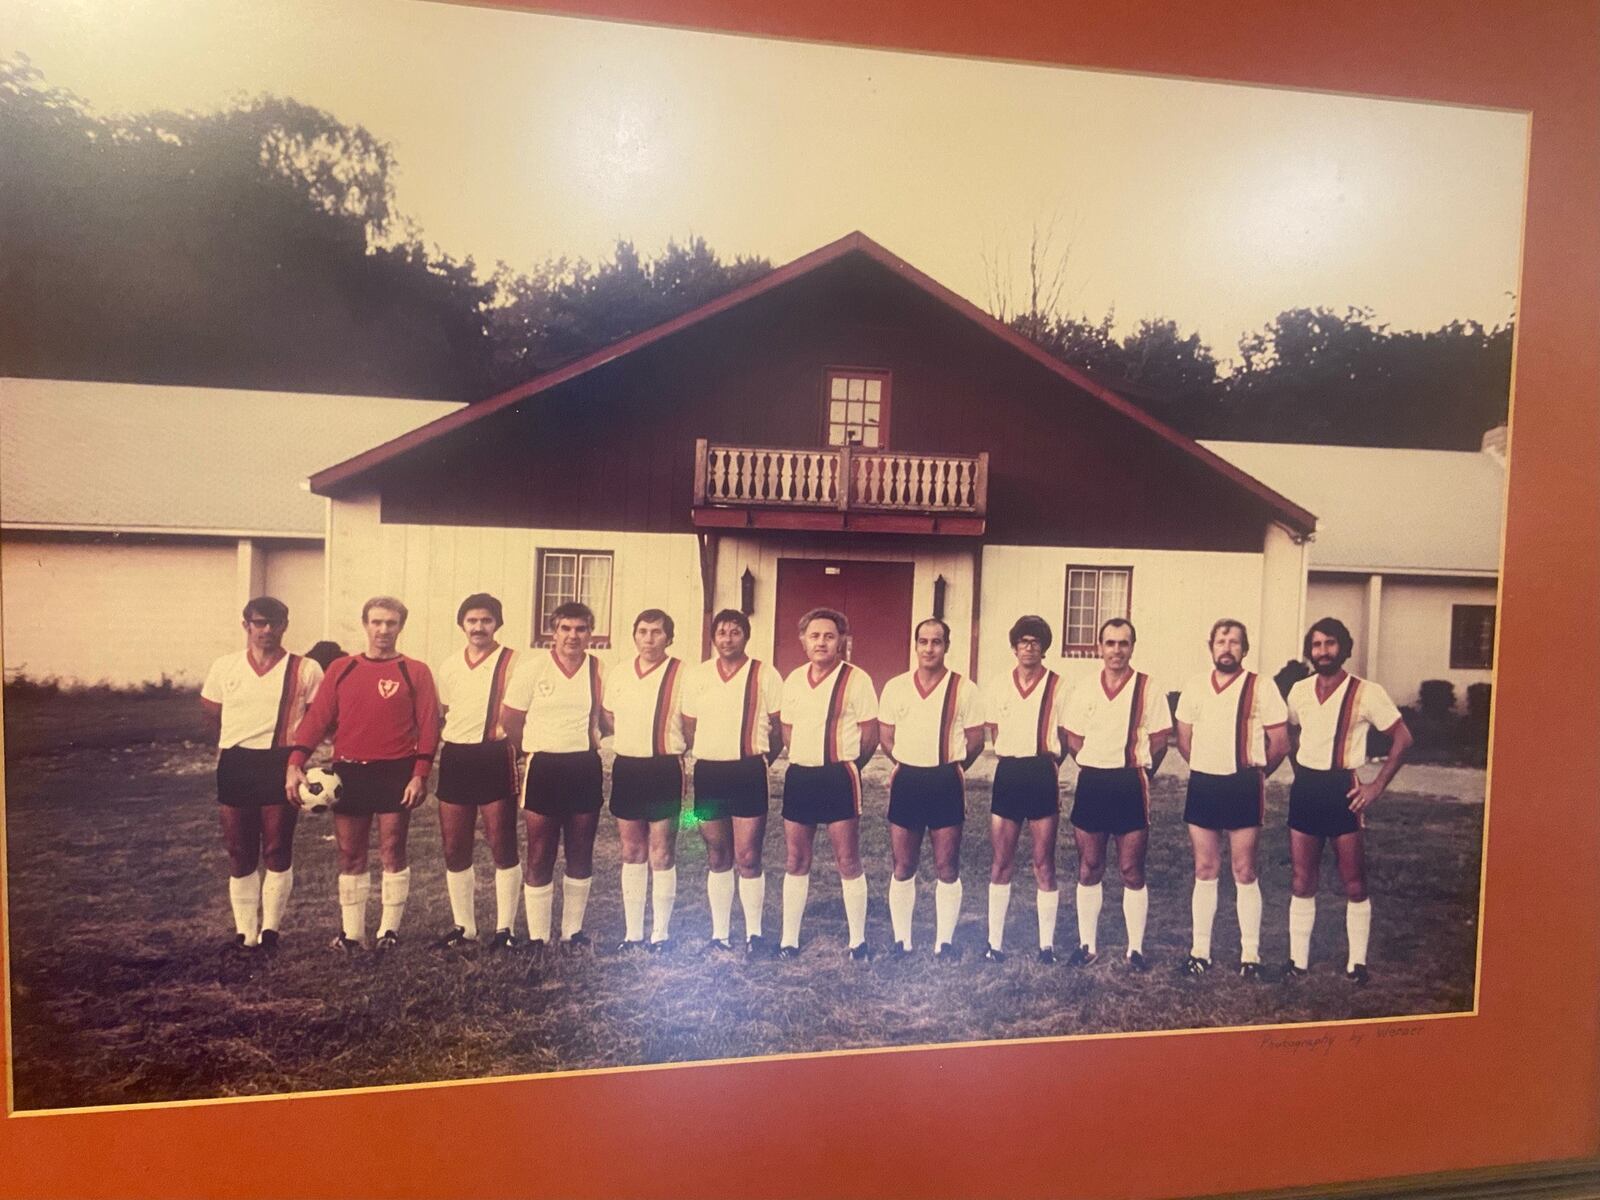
pixel 321 790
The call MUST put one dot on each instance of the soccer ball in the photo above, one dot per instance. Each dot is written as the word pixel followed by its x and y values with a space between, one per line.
pixel 320 791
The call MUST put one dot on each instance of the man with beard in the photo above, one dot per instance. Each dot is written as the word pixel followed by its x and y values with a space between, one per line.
pixel 1232 731
pixel 931 724
pixel 1117 728
pixel 1330 713
pixel 731 707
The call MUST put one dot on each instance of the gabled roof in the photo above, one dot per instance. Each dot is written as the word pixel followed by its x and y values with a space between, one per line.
pixel 154 459
pixel 349 473
pixel 1383 510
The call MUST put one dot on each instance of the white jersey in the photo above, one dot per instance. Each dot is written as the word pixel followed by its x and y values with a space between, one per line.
pixel 930 728
pixel 646 707
pixel 260 709
pixel 1027 722
pixel 1116 726
pixel 732 713
pixel 1230 715
pixel 1333 732
pixel 471 693
pixel 563 710
pixel 825 715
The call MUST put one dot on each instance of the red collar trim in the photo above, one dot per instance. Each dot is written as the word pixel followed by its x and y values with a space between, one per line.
pixel 1231 679
pixel 562 666
pixel 1112 695
pixel 819 682
pixel 916 681
pixel 1316 687
pixel 725 676
pixel 266 670
pixel 1016 681
pixel 487 655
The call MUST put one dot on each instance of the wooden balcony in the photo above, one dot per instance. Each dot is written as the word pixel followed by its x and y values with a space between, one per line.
pixel 839 488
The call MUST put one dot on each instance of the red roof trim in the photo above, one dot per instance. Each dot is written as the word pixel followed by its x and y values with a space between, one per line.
pixel 327 481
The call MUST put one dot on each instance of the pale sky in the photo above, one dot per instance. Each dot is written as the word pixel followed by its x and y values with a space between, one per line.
pixel 521 137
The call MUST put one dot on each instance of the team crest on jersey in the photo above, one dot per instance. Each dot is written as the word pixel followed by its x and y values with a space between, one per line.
pixel 388 687
pixel 545 688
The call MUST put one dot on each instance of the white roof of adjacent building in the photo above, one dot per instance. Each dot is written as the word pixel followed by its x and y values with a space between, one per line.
pixel 151 458
pixel 1423 511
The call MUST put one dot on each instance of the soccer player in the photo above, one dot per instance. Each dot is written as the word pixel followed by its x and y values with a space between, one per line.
pixel 731 707
pixel 1117 730
pixel 553 708
pixel 478 773
pixel 1232 730
pixel 643 703
pixel 1330 712
pixel 383 712
pixel 931 725
pixel 830 724
pixel 256 696
pixel 1025 718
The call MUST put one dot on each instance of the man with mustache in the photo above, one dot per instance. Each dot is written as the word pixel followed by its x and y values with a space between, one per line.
pixel 1330 713
pixel 1232 730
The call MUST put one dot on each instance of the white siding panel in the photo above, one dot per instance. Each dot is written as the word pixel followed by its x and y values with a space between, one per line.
pixel 1416 635
pixel 294 575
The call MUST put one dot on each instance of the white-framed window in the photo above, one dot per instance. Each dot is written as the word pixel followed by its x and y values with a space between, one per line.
pixel 1094 596
pixel 563 576
pixel 857 408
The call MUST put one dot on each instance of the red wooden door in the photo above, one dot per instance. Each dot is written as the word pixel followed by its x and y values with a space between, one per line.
pixel 875 596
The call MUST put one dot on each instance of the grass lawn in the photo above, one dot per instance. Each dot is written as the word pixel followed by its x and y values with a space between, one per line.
pixel 118 908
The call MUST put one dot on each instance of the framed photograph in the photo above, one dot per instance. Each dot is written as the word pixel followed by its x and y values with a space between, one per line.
pixel 933 314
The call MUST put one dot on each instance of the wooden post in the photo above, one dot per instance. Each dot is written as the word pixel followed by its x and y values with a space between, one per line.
pixel 980 485
pixel 708 586
pixel 977 606
pixel 845 482
pixel 701 458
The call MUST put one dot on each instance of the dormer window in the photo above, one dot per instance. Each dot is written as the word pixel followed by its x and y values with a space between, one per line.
pixel 857 412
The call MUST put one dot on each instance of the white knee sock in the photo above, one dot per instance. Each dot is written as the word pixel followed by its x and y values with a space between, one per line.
pixel 663 898
pixel 999 901
pixel 1203 909
pixel 1302 917
pixel 1357 929
pixel 462 907
pixel 537 901
pixel 574 904
pixel 275 890
pixel 396 890
pixel 244 893
pixel 353 893
pixel 855 907
pixel 752 898
pixel 946 911
pixel 635 882
pixel 1248 902
pixel 795 890
pixel 1048 903
pixel 1090 898
pixel 1135 911
pixel 719 894
pixel 507 883
pixel 902 903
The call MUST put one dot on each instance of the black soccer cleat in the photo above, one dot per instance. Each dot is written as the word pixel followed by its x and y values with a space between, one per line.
pixel 350 947
pixel 236 945
pixel 535 948
pixel 1137 963
pixel 898 951
pixel 1288 973
pixel 269 942
pixel 1251 971
pixel 1047 955
pixel 1358 974
pixel 1194 965
pixel 664 946
pixel 990 954
pixel 387 942
pixel 757 946
pixel 788 953
pixel 504 939
pixel 455 939
pixel 627 946
pixel 861 952
pixel 719 946
pixel 1083 957
pixel 947 953
pixel 578 941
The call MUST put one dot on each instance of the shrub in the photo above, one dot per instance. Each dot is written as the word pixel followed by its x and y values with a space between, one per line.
pixel 1437 697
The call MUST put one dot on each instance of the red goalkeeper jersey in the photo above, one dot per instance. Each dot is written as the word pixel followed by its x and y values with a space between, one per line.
pixel 378 709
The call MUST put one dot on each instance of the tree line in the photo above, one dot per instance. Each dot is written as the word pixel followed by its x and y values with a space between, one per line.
pixel 260 247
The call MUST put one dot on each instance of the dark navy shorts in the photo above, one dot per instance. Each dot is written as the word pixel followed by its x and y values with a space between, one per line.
pixel 1026 789
pixel 927 797
pixel 1115 800
pixel 1237 801
pixel 730 789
